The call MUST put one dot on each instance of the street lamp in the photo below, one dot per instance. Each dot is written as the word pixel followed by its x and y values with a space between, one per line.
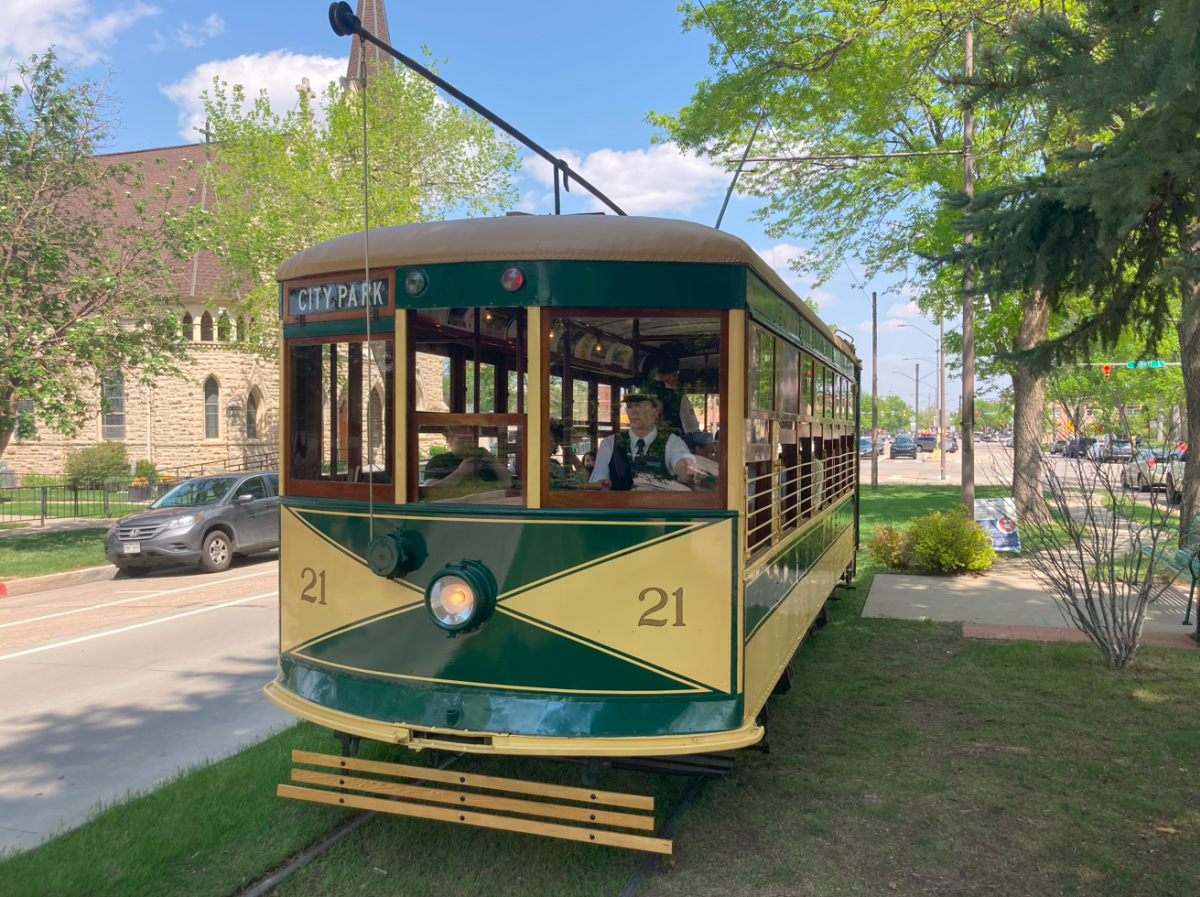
pixel 941 391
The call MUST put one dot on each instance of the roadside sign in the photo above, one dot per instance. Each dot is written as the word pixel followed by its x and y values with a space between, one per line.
pixel 1145 364
pixel 998 518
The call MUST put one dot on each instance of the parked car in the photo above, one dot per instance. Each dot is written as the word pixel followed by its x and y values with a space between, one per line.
pixel 1148 468
pixel 1008 442
pixel 951 446
pixel 1057 446
pixel 903 447
pixel 1119 451
pixel 864 447
pixel 206 521
pixel 1174 479
pixel 927 442
pixel 1077 448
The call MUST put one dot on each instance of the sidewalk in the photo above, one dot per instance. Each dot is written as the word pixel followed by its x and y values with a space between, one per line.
pixel 58 526
pixel 1007 603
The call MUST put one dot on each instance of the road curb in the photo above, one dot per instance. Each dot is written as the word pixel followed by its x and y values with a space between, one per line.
pixel 56 580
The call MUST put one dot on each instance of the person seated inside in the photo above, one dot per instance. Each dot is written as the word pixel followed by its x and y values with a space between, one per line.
pixel 561 477
pixel 704 448
pixel 466 465
pixel 677 410
pixel 647 456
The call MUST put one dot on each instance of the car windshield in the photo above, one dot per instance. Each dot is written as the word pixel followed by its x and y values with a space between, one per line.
pixel 903 440
pixel 196 493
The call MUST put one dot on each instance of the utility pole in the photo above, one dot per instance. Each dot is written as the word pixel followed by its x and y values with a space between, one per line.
pixel 874 393
pixel 968 308
pixel 942 391
pixel 917 400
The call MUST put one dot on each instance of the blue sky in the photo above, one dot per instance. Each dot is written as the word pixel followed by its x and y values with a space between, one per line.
pixel 578 78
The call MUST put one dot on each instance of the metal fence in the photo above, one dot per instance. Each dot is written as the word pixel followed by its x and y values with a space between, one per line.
pixel 30 496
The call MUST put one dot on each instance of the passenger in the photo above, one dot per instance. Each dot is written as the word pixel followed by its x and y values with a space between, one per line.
pixel 589 462
pixel 677 407
pixel 644 457
pixel 704 448
pixel 561 477
pixel 466 465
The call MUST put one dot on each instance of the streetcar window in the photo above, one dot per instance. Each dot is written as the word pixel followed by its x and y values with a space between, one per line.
pixel 634 407
pixel 806 384
pixel 761 376
pixel 789 378
pixel 469 397
pixel 340 420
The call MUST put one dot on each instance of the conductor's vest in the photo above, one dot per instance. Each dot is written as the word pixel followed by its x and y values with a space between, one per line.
pixel 652 461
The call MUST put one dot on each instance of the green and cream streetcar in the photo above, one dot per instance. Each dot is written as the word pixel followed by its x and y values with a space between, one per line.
pixel 555 485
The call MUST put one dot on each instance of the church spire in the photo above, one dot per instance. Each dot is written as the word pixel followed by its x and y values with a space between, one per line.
pixel 374 19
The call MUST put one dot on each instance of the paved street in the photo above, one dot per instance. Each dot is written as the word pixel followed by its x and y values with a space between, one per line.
pixel 114 686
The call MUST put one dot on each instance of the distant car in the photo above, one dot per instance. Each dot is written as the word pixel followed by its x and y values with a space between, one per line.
pixel 1121 452
pixel 1077 448
pixel 1148 468
pixel 951 445
pixel 206 521
pixel 864 446
pixel 1057 446
pixel 1174 479
pixel 903 447
pixel 1008 442
pixel 927 442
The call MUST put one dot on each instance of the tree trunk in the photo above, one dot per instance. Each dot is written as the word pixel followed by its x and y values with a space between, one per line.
pixel 1188 328
pixel 1029 409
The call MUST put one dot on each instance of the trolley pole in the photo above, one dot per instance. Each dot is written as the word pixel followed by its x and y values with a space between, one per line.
pixel 968 309
pixel 874 393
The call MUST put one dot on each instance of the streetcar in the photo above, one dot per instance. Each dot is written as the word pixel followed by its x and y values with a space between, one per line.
pixel 555 486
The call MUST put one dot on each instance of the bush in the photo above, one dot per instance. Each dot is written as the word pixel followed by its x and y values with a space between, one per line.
pixel 101 462
pixel 948 543
pixel 146 471
pixel 888 547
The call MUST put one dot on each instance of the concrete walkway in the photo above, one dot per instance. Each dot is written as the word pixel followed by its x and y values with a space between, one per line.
pixel 1007 600
pixel 58 526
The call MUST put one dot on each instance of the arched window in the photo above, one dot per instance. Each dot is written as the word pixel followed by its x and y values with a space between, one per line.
pixel 212 406
pixel 223 328
pixel 252 415
pixel 187 326
pixel 206 328
pixel 112 390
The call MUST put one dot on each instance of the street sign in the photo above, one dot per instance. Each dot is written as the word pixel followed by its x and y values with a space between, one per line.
pixel 1141 364
pixel 998 518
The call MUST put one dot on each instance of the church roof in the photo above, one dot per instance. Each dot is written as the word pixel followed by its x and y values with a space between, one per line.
pixel 374 20
pixel 201 275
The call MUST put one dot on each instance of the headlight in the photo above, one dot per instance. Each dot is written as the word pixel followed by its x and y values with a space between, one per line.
pixel 182 524
pixel 461 596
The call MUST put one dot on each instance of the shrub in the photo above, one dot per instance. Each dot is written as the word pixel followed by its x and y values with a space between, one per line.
pixel 948 543
pixel 100 462
pixel 146 471
pixel 888 547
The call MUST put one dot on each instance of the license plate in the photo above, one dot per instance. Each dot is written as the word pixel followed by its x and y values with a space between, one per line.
pixel 133 548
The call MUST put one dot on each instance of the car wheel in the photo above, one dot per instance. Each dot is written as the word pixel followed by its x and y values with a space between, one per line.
pixel 217 553
pixel 1173 497
pixel 134 572
pixel 1141 484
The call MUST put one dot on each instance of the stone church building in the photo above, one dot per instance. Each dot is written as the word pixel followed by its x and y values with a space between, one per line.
pixel 224 412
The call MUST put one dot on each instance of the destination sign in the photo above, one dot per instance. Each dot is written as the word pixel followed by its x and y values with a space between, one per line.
pixel 332 297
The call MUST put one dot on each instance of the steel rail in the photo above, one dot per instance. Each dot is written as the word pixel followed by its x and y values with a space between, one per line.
pixel 668 830
pixel 344 22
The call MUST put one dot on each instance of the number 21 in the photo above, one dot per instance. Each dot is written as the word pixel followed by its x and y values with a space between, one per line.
pixel 647 620
pixel 305 596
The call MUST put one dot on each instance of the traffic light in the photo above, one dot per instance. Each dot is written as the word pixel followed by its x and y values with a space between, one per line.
pixel 1107 370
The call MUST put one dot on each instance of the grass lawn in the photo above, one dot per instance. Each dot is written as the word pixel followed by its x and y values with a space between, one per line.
pixel 34 554
pixel 905 760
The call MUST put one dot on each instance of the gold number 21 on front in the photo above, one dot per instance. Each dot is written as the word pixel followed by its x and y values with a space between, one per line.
pixel 312 575
pixel 648 620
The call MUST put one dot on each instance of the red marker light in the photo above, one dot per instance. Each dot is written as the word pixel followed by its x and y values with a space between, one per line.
pixel 512 279
pixel 1107 370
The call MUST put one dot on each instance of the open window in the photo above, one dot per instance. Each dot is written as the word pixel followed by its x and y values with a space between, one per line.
pixel 469 392
pixel 339 386
pixel 632 409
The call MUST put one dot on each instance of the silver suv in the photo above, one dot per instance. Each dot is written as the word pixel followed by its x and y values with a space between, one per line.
pixel 205 521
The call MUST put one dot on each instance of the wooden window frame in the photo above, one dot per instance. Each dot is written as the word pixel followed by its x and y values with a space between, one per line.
pixel 384 492
pixel 657 501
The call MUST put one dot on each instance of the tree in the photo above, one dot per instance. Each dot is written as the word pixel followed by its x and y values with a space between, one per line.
pixel 85 266
pixel 847 77
pixel 895 415
pixel 286 182
pixel 1116 222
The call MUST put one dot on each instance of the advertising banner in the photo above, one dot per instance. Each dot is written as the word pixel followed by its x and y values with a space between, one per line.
pixel 998 518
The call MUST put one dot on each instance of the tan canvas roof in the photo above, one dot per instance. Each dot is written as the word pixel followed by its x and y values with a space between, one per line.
pixel 540 237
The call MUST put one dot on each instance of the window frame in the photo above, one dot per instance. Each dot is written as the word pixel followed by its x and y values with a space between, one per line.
pixel 211 378
pixel 113 376
pixel 658 501
pixel 384 492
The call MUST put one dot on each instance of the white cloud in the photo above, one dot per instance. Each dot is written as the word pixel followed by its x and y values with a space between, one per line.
pixel 907 310
pixel 641 181
pixel 277 72
pixel 886 325
pixel 190 35
pixel 780 257
pixel 77 33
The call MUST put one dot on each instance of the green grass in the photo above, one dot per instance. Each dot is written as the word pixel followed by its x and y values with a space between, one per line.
pixel 905 760
pixel 39 553
pixel 13 525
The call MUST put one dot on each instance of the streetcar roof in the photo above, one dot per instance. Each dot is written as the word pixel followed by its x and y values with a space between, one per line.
pixel 543 238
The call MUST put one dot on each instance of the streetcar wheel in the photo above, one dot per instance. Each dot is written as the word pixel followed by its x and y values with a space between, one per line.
pixel 784 685
pixel 217 553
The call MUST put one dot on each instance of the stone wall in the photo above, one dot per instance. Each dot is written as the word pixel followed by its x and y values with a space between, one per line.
pixel 166 422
